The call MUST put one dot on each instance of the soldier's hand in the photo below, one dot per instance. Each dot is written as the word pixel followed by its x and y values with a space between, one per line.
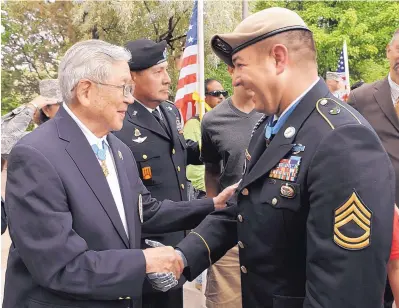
pixel 163 260
pixel 41 101
pixel 221 199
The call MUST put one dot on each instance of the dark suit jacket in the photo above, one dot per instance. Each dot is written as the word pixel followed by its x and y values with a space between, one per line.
pixel 165 155
pixel 69 245
pixel 318 239
pixel 374 102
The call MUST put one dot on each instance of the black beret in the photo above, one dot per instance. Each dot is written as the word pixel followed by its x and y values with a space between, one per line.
pixel 146 53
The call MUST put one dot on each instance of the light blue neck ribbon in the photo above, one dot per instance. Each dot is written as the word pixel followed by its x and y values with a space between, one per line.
pixel 272 127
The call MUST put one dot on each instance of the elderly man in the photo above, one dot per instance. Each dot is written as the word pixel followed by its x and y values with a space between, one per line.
pixel 379 104
pixel 312 226
pixel 76 204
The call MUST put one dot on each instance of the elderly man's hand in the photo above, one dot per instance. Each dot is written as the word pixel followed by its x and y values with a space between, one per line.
pixel 164 281
pixel 221 199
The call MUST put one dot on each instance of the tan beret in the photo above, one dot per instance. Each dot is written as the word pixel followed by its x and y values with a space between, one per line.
pixel 255 28
pixel 50 88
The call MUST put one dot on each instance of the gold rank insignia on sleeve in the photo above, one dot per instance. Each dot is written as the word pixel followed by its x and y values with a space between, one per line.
pixel 352 224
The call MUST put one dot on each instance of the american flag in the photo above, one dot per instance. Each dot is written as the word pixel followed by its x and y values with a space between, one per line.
pixel 343 72
pixel 188 78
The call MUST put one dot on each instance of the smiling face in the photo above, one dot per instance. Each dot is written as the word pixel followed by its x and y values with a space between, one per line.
pixel 104 104
pixel 152 84
pixel 110 102
pixel 260 73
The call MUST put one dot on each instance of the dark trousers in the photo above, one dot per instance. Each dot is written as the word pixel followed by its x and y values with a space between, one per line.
pixel 170 299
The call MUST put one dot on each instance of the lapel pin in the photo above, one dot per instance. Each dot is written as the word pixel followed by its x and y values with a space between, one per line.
pixel 137 133
pixel 140 139
pixel 120 155
pixel 247 155
pixel 135 112
pixel 335 110
pixel 323 102
pixel 298 148
pixel 289 132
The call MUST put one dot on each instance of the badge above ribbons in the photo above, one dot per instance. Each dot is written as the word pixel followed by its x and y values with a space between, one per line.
pixel 352 217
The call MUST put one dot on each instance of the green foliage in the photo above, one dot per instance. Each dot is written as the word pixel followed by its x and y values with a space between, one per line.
pixel 367 27
pixel 37 33
pixel 35 36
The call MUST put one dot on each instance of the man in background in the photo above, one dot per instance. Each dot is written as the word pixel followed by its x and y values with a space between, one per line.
pixel 214 93
pixel 226 131
pixel 192 130
pixel 379 104
pixel 334 83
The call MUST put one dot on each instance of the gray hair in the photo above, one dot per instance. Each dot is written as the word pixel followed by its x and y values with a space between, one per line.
pixel 90 59
pixel 394 36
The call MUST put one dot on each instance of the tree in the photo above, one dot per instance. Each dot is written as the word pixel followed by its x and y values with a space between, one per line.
pixel 367 27
pixel 35 35
pixel 119 22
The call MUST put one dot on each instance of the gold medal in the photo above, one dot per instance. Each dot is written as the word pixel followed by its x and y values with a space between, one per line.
pixel 104 168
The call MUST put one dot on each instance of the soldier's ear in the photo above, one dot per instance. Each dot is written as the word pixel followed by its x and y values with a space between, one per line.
pixel 133 75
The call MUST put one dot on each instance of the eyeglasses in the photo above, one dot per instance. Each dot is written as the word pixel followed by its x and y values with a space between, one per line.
pixel 217 93
pixel 127 88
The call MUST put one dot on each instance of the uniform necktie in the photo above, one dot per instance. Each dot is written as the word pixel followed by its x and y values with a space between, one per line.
pixel 157 116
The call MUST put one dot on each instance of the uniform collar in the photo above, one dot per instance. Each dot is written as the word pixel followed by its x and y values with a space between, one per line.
pixel 150 109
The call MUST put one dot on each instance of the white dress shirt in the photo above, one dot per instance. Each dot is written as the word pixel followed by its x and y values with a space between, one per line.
pixel 112 177
pixel 394 90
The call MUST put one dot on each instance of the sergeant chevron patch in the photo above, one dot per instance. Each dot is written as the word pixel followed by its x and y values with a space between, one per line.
pixel 352 224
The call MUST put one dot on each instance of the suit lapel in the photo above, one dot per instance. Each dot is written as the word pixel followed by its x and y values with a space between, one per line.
pixel 280 145
pixel 383 97
pixel 81 153
pixel 140 116
pixel 125 188
pixel 170 119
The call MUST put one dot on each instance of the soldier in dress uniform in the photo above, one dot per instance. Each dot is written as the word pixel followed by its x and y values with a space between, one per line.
pixel 313 218
pixel 153 130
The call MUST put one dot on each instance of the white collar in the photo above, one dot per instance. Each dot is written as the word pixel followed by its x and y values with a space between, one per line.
pixel 297 99
pixel 91 138
pixel 150 109
pixel 394 88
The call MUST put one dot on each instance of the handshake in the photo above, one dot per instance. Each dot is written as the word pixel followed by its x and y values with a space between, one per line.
pixel 164 265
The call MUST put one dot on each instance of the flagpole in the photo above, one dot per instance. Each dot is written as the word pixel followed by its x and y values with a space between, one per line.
pixel 345 49
pixel 201 55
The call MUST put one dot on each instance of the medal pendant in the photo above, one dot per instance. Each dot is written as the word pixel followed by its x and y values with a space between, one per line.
pixel 104 168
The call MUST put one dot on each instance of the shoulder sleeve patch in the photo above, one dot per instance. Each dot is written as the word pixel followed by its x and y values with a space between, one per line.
pixel 352 224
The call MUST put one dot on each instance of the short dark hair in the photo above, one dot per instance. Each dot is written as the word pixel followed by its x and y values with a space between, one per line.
pixel 208 81
pixel 42 117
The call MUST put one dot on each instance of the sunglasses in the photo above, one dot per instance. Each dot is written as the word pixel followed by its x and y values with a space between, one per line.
pixel 217 93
